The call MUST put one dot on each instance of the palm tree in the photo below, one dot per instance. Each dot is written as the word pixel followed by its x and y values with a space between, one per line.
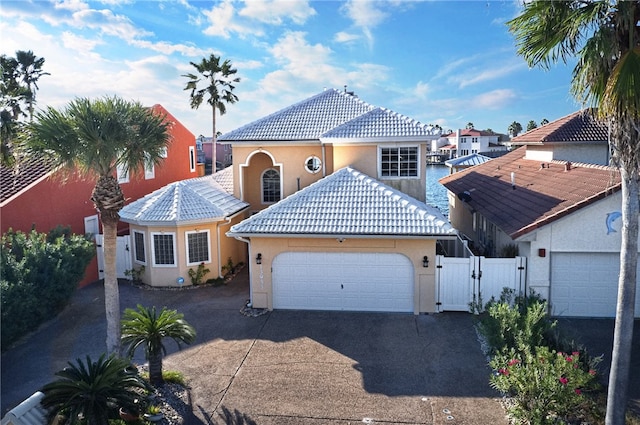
pixel 218 85
pixel 531 125
pixel 544 121
pixel 514 128
pixel 147 328
pixel 95 137
pixel 93 390
pixel 30 71
pixel 469 126
pixel 605 38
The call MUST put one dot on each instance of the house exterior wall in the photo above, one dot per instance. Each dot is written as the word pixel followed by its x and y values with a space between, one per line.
pixel 585 153
pixel 583 231
pixel 221 248
pixel 460 216
pixel 57 200
pixel 413 249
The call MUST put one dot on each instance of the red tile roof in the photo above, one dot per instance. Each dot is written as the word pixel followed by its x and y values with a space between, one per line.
pixel 580 126
pixel 468 132
pixel 27 171
pixel 544 191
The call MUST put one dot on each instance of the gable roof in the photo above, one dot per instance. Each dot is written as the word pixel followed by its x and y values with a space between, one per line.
pixel 28 171
pixel 347 203
pixel 332 114
pixel 544 191
pixel 580 126
pixel 183 202
pixel 466 132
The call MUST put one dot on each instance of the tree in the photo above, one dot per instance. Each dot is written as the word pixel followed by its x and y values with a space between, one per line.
pixel 605 38
pixel 147 328
pixel 544 121
pixel 92 390
pixel 19 83
pixel 531 125
pixel 469 126
pixel 514 128
pixel 217 86
pixel 95 137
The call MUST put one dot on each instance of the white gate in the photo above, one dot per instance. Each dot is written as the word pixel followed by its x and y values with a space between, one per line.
pixel 460 281
pixel 123 256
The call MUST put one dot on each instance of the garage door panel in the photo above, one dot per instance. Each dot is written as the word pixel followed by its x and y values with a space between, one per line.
pixel 343 281
pixel 585 284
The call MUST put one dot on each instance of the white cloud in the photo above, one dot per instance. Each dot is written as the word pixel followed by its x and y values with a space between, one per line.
pixel 223 22
pixel 494 99
pixel 479 76
pixel 346 37
pixel 274 12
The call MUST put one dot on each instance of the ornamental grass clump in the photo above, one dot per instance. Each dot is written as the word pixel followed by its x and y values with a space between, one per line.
pixel 545 386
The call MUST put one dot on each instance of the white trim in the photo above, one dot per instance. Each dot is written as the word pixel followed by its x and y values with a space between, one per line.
pixel 186 247
pixel 149 171
pixel 153 249
pixel 315 160
pixel 122 175
pixel 144 247
pixel 192 158
pixel 90 227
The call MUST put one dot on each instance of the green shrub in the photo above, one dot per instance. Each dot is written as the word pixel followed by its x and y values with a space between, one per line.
pixel 38 275
pixel 545 386
pixel 197 276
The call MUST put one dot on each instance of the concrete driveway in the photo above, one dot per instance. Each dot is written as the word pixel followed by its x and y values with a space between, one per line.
pixel 285 367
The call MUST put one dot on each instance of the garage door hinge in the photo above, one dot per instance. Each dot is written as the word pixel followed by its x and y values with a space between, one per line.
pixel 438 303
pixel 439 266
pixel 521 268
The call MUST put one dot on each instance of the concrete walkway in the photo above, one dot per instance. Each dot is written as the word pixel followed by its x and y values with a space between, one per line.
pixel 284 367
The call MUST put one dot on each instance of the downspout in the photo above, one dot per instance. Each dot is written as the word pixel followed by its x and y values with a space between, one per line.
pixel 227 221
pixel 248 242
pixel 324 170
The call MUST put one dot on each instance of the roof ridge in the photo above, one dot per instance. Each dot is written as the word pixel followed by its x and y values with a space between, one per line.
pixel 580 164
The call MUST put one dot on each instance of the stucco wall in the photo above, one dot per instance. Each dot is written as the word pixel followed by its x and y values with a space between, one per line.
pixel 587 153
pixel 413 249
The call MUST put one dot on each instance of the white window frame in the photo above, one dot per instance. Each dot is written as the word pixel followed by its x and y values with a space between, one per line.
pixel 192 158
pixel 135 247
pixel 153 249
pixel 163 152
pixel 186 245
pixel 149 171
pixel 121 174
pixel 262 186
pixel 315 161
pixel 418 162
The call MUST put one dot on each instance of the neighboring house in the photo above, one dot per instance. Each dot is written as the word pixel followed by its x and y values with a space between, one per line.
pixel 460 163
pixel 564 215
pixel 35 195
pixel 224 152
pixel 469 141
pixel 318 144
pixel 181 226
pixel 345 242
pixel 577 137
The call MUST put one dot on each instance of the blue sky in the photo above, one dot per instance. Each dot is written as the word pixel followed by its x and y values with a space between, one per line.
pixel 439 62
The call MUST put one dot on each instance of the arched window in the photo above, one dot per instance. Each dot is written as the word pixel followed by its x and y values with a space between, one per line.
pixel 270 186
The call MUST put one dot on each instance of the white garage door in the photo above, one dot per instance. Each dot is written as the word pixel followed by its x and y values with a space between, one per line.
pixel 343 281
pixel 585 284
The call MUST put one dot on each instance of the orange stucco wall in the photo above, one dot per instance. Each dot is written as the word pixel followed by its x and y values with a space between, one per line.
pixel 65 200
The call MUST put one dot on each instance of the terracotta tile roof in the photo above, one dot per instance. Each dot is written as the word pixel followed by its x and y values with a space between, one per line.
pixel 580 126
pixel 544 191
pixel 193 200
pixel 29 170
pixel 344 203
pixel 470 132
pixel 331 113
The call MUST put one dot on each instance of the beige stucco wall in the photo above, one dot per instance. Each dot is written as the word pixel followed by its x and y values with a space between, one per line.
pixel 221 248
pixel 413 249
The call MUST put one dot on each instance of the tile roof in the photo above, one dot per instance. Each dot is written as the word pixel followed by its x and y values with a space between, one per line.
pixel 580 126
pixel 181 202
pixel 225 179
pixel 544 191
pixel 466 132
pixel 467 160
pixel 345 203
pixel 331 113
pixel 28 170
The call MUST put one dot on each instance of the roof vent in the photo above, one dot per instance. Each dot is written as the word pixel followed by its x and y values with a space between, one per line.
pixel 567 166
pixel 464 196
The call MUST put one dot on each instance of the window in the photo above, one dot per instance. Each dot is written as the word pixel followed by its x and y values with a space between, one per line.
pixel 463 140
pixel 138 247
pixel 122 174
pixel 197 247
pixel 192 159
pixel 399 162
pixel 149 171
pixel 270 186
pixel 164 248
pixel 163 153
pixel 474 140
pixel 313 164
